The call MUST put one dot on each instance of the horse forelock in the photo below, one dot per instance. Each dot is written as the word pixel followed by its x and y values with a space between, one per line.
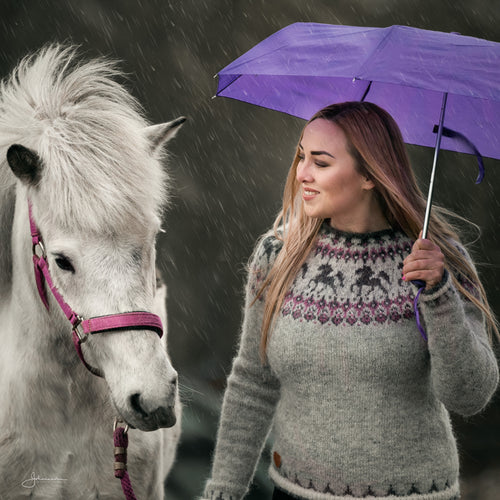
pixel 98 169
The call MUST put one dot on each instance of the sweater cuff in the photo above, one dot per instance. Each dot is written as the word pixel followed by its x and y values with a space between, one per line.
pixel 437 291
pixel 217 490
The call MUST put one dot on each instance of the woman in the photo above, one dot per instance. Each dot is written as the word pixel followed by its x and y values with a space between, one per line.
pixel 330 354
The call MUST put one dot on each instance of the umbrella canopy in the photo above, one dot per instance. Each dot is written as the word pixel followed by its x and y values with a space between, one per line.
pixel 306 66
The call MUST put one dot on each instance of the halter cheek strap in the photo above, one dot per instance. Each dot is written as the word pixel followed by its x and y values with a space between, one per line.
pixel 82 328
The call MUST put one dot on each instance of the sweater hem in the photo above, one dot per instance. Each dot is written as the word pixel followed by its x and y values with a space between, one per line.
pixel 294 489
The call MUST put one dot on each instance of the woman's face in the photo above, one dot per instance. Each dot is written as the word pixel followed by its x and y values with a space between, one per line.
pixel 331 185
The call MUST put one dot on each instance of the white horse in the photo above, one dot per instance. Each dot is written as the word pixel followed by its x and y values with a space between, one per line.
pixel 90 165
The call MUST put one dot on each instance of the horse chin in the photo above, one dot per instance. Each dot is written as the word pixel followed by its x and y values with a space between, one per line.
pixel 154 423
pixel 161 418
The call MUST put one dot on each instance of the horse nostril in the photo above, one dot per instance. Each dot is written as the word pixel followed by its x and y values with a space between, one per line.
pixel 136 404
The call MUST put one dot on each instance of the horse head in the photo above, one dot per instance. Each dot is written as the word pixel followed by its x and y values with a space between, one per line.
pixel 90 166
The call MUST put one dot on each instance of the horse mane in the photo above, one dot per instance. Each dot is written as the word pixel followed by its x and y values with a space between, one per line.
pixel 99 171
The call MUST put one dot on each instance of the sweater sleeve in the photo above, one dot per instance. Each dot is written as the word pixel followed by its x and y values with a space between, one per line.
pixel 464 370
pixel 250 398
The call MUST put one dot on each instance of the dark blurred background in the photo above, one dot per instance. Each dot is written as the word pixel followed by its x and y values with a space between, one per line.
pixel 228 166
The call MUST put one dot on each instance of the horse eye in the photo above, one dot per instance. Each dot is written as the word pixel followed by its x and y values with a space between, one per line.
pixel 64 264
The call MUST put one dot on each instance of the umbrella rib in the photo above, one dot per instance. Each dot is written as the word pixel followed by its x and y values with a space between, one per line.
pixel 368 59
pixel 366 91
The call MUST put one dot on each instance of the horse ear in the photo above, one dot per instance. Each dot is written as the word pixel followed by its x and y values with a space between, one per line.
pixel 25 163
pixel 160 134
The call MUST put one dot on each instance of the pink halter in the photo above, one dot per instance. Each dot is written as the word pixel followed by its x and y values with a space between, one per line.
pixel 82 328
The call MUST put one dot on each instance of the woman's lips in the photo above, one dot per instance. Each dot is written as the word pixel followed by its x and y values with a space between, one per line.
pixel 309 194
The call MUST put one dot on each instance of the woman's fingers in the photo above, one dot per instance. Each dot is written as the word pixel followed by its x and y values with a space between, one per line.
pixel 426 263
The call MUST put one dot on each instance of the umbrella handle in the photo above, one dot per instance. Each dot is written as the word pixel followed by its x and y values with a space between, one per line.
pixel 419 283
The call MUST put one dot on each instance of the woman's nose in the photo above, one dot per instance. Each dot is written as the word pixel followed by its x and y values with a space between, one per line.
pixel 304 172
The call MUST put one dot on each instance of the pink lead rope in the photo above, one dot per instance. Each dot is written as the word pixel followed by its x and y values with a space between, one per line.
pixel 120 438
pixel 82 328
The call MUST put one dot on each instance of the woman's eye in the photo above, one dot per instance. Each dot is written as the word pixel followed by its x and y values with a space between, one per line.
pixel 64 263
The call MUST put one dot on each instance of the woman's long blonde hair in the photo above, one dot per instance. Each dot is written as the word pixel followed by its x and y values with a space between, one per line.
pixel 375 142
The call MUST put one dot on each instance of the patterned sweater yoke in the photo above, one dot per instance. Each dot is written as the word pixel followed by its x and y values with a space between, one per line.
pixel 357 401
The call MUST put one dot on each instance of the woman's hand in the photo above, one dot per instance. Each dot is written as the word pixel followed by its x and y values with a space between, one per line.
pixel 426 263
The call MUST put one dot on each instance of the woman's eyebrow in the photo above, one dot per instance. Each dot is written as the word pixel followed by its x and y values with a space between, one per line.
pixel 317 153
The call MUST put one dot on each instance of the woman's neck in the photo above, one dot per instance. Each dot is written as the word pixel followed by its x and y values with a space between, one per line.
pixel 375 222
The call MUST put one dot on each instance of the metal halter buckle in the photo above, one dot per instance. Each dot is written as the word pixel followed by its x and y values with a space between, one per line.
pixel 78 329
pixel 42 249
pixel 120 421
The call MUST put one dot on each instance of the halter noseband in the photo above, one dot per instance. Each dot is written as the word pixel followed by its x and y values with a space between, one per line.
pixel 82 328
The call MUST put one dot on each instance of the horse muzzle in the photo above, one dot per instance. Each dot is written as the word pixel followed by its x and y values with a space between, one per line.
pixel 146 413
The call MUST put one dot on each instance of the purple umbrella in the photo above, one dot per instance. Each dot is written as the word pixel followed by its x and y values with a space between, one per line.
pixel 443 89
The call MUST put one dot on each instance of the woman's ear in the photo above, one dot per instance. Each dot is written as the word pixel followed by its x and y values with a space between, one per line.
pixel 367 183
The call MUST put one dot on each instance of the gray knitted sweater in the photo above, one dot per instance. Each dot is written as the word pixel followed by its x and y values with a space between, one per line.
pixel 357 400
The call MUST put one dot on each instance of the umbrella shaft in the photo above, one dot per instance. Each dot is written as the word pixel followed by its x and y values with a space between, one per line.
pixel 434 164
